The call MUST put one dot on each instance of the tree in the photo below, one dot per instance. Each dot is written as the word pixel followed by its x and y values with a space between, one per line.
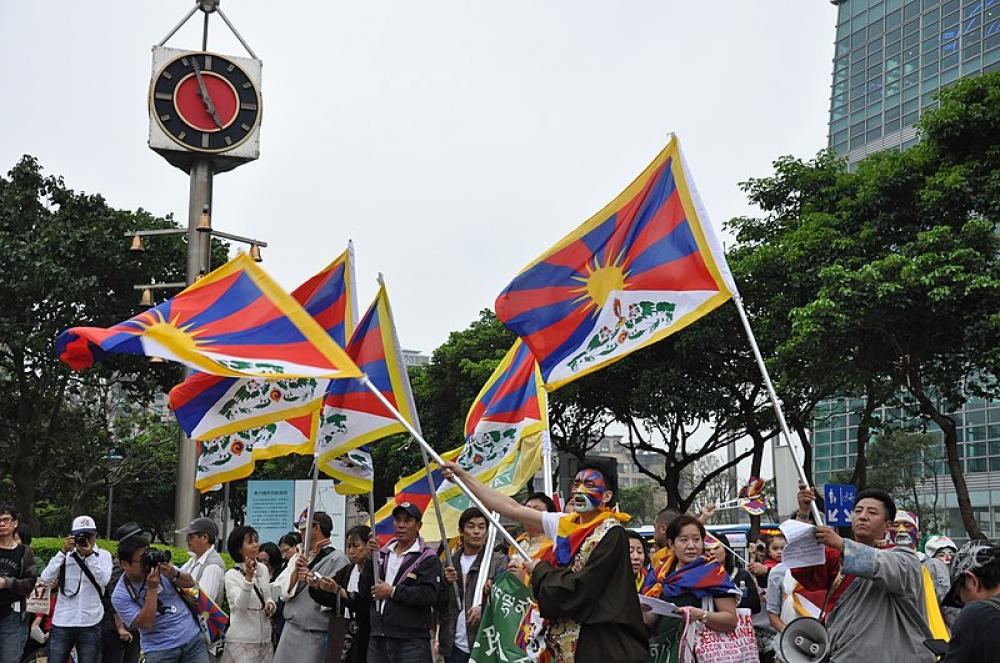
pixel 915 295
pixel 64 264
pixel 902 461
pixel 637 501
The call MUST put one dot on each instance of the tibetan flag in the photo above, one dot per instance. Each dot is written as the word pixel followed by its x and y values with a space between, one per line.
pixel 504 432
pixel 233 456
pixel 384 526
pixel 210 406
pixel 353 473
pixel 351 415
pixel 234 322
pixel 211 618
pixel 644 267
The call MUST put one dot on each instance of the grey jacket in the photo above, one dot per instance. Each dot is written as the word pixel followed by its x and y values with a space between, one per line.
pixel 449 618
pixel 882 610
pixel 300 608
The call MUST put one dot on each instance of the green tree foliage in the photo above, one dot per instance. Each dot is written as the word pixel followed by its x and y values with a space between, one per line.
pixel 65 263
pixel 901 461
pixel 892 272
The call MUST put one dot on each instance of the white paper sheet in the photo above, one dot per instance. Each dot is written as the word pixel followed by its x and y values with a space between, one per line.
pixel 802 549
pixel 658 606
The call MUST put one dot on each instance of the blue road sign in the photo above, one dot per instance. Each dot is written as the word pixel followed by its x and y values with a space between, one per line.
pixel 839 498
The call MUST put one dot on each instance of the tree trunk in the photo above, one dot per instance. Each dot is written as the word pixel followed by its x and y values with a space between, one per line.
pixel 948 428
pixel 23 473
pixel 807 454
pixel 860 475
pixel 755 466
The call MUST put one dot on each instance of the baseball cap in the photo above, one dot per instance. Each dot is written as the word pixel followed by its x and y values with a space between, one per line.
pixel 127 531
pixel 410 508
pixel 201 525
pixel 84 525
pixel 973 555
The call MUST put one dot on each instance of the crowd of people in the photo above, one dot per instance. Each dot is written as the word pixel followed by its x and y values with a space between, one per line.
pixel 592 581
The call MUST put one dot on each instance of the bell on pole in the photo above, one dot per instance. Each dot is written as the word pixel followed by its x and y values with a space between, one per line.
pixel 137 245
pixel 255 252
pixel 204 221
pixel 147 297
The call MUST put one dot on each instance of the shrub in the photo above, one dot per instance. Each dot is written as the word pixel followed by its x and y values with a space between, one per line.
pixel 45 547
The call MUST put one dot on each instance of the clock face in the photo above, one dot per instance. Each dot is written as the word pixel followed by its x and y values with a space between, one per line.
pixel 205 102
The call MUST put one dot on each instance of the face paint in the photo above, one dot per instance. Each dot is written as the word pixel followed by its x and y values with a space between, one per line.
pixel 589 485
pixel 906 535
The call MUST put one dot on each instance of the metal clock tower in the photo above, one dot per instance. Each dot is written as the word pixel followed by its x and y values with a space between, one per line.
pixel 205 113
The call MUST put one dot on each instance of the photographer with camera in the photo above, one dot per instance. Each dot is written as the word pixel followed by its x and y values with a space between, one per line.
pixel 146 597
pixel 79 572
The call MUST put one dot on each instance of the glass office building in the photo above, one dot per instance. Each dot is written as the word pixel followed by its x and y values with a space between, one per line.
pixel 892 56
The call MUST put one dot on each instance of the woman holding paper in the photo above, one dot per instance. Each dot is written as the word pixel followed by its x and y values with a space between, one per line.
pixel 690 580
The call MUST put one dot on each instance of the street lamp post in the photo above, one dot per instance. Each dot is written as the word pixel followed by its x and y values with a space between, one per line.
pixel 113 459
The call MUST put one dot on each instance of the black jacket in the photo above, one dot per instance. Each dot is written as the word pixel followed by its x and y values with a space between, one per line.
pixel 358 604
pixel 446 635
pixel 409 613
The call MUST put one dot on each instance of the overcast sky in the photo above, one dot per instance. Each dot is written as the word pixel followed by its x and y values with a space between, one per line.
pixel 453 141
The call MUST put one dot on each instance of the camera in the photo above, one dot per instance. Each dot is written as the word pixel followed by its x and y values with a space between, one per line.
pixel 154 557
pixel 81 539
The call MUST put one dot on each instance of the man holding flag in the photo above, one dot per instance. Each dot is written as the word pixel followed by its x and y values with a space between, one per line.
pixel 584 584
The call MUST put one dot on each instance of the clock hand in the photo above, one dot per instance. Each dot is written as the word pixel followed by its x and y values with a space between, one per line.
pixel 206 98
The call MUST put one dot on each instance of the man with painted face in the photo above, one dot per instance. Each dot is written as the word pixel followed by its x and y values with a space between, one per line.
pixel 584 584
pixel 875 595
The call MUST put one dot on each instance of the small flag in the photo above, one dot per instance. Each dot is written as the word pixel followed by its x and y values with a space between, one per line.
pixel 209 406
pixel 234 322
pixel 644 267
pixel 504 431
pixel 354 472
pixel 351 415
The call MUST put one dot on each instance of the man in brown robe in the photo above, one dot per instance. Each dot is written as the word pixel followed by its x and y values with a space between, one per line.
pixel 584 585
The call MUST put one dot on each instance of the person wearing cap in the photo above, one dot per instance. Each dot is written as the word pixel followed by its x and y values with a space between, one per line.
pixel 875 598
pixel 408 589
pixel 975 588
pixel 205 565
pixel 79 572
pixel 147 597
pixel 17 579
pixel 305 633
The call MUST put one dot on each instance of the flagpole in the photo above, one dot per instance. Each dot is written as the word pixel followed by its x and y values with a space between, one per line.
pixel 440 461
pixel 547 464
pixel 371 510
pixel 448 563
pixel 484 566
pixel 312 507
pixel 793 447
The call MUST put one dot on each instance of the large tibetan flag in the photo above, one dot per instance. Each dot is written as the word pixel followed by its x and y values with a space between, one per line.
pixel 210 406
pixel 644 267
pixel 415 489
pixel 351 415
pixel 235 322
pixel 504 431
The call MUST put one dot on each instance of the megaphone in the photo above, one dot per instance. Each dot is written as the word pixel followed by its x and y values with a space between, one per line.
pixel 804 640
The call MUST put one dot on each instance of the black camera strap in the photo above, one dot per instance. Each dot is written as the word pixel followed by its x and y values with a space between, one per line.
pixel 90 574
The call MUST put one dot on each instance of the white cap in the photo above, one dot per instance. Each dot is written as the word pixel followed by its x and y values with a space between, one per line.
pixel 84 524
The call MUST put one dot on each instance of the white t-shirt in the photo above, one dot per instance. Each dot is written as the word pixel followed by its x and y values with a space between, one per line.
pixel 352 584
pixel 461 634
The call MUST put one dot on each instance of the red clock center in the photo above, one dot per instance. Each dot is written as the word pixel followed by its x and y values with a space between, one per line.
pixel 193 109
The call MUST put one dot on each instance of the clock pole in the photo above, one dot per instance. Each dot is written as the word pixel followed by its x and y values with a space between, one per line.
pixel 199 251
pixel 202 149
